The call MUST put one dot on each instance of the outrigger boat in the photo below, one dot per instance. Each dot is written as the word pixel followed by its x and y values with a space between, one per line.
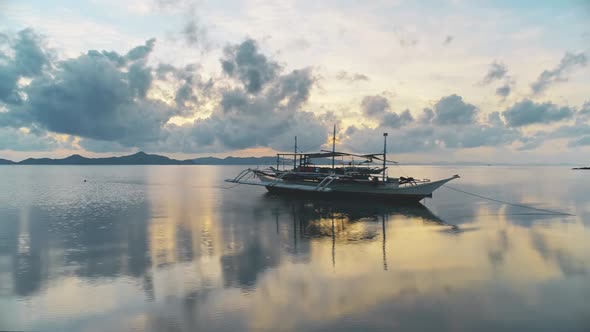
pixel 355 180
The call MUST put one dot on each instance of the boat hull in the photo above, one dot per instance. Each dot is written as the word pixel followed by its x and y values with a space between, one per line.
pixel 343 195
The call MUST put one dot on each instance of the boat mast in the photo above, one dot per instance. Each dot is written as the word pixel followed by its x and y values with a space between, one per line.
pixel 384 153
pixel 295 155
pixel 333 146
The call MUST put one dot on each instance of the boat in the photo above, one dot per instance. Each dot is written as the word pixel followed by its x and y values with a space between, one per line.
pixel 352 180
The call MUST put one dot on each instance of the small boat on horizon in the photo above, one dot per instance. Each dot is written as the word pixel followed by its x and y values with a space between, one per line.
pixel 354 180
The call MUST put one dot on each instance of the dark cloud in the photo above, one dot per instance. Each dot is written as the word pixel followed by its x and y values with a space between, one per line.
pixel 104 98
pixel 496 71
pixel 559 73
pixel 92 96
pixel 452 110
pixel 246 63
pixel 29 58
pixel 527 112
pixel 504 90
pixel 271 118
pixel 448 40
pixel 351 77
pixel 140 52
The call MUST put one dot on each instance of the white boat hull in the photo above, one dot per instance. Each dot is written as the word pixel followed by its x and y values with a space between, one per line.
pixel 340 189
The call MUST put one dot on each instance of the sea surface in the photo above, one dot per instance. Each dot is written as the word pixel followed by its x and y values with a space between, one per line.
pixel 174 248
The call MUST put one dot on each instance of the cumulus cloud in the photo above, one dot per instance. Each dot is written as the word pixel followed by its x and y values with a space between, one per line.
pixel 378 108
pixel 108 101
pixel 29 57
pixel 427 133
pixel 393 120
pixel 452 110
pixel 527 112
pixel 103 97
pixel 351 77
pixel 559 73
pixel 270 118
pixel 248 65
pixel 374 106
pixel 93 96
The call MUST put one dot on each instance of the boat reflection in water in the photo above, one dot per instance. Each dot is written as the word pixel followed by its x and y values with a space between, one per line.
pixel 347 221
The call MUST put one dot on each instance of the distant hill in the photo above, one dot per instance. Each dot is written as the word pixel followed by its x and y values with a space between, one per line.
pixel 140 158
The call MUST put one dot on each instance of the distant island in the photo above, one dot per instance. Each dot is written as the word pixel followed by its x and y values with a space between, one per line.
pixel 142 158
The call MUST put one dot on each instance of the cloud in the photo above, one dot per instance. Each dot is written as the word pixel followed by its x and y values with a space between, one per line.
pixel 92 145
pixel 193 33
pixel 559 73
pixel 393 120
pixel 29 58
pixel 95 96
pixel 527 112
pixel 271 118
pixel 248 65
pixel 19 140
pixel 374 106
pixel 427 115
pixel 504 90
pixel 585 111
pixel 573 132
pixel 584 141
pixel 426 134
pixel 496 71
pixel 141 52
pixel 351 77
pixel 452 110
pixel 104 98
pixel 448 40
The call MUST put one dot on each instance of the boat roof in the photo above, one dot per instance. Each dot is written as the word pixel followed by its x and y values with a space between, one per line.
pixel 328 154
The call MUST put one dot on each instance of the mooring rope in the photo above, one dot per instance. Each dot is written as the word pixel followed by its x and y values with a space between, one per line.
pixel 508 203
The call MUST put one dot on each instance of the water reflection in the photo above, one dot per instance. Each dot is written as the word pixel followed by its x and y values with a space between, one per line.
pixel 44 246
pixel 169 250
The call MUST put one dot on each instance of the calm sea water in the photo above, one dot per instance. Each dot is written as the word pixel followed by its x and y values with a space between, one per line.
pixel 169 248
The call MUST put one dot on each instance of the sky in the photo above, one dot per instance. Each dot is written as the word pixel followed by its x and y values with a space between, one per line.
pixel 448 80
